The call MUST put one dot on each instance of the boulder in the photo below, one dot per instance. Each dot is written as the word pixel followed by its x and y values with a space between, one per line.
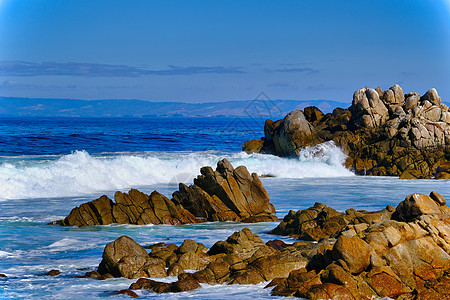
pixel 432 96
pixel 415 205
pixel 292 134
pixel 368 110
pixel 126 258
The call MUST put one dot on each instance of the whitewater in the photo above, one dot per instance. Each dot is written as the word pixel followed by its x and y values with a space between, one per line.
pixel 80 173
pixel 49 166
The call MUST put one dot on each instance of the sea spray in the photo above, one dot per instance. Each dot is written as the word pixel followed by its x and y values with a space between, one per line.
pixel 80 173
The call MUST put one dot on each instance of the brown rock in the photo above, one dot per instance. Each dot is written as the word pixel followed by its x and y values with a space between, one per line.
pixel 242 243
pixel 186 282
pixel 438 198
pixel 292 134
pixel 432 96
pixel 413 206
pixel 126 258
pixel 354 252
pixel 253 146
pixel 238 190
pixel 127 293
pixel 313 114
pixel 53 273
pixel 412 174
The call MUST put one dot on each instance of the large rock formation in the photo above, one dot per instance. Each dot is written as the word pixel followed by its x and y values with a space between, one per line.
pixel 383 133
pixel 227 194
pixel 406 256
pixel 401 253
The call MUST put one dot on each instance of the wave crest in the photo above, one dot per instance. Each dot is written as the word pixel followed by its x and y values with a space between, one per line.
pixel 79 173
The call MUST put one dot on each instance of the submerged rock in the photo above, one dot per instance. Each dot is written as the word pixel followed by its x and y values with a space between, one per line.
pixel 54 272
pixel 382 132
pixel 227 194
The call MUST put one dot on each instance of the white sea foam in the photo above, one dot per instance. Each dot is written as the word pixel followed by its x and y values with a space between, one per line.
pixel 82 174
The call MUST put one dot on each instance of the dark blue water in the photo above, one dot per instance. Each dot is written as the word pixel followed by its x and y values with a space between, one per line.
pixel 48 166
pixel 56 136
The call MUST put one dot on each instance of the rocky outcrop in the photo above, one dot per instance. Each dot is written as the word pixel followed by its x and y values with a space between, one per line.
pixel 406 256
pixel 242 259
pixel 383 133
pixel 226 194
pixel 401 253
pixel 320 221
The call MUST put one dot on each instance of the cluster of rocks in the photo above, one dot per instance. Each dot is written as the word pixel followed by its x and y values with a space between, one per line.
pixel 401 253
pixel 383 133
pixel 226 194
pixel 320 221
pixel 243 258
pixel 404 257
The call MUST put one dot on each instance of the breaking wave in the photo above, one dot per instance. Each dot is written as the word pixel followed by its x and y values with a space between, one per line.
pixel 80 173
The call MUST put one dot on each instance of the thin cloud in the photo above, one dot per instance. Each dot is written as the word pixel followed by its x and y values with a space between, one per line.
pixel 320 87
pixel 13 85
pixel 308 71
pixel 23 68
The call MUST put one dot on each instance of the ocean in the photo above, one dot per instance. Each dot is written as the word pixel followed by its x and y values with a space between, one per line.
pixel 50 165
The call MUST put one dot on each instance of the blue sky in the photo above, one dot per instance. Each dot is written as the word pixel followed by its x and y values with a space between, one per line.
pixel 197 51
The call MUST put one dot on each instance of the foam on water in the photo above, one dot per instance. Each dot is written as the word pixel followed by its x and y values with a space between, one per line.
pixel 82 174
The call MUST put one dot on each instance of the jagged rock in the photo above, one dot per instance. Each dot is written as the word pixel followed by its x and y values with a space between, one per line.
pixel 235 189
pixel 320 221
pixel 381 132
pixel 227 194
pixel 406 257
pixel 313 114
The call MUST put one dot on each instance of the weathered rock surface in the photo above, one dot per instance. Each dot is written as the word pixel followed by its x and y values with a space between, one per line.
pixel 242 259
pixel 320 221
pixel 401 253
pixel 383 133
pixel 406 256
pixel 227 194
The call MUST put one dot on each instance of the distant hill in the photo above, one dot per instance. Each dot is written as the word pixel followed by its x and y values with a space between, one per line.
pixel 37 107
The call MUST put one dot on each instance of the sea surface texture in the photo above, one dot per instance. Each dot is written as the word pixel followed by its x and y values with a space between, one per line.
pixel 48 166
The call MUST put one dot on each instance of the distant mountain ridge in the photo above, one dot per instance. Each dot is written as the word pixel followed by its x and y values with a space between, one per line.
pixel 40 107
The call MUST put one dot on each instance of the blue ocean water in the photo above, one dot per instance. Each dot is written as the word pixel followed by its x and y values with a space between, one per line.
pixel 48 166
